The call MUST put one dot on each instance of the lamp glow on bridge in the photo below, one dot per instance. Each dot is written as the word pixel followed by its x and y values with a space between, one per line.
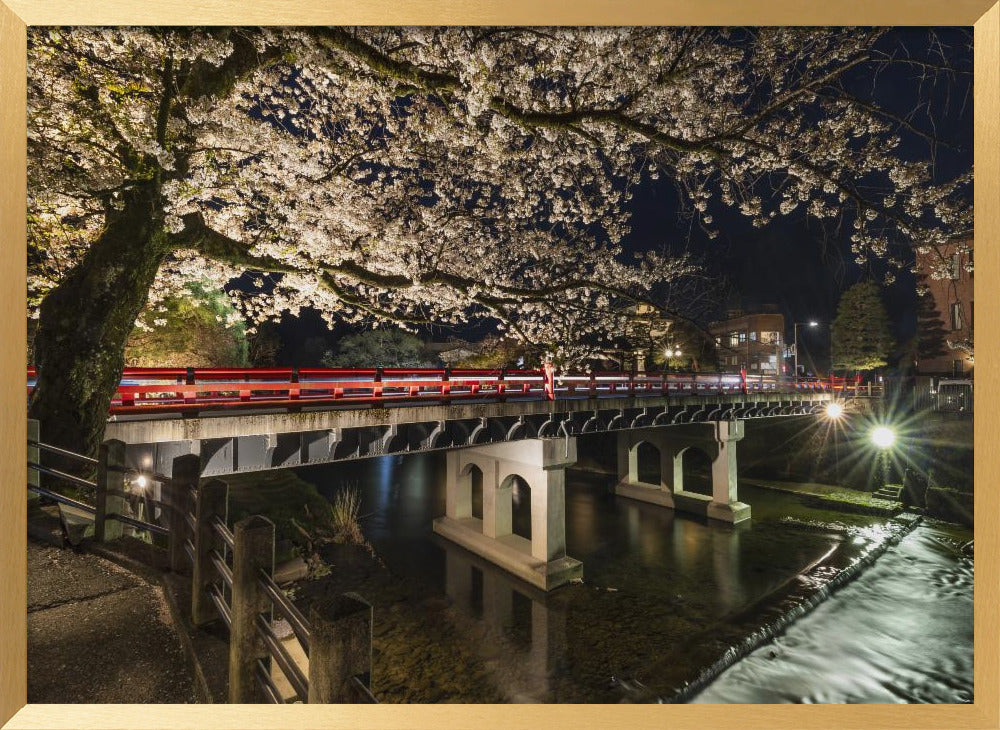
pixel 883 437
pixel 834 410
pixel 141 481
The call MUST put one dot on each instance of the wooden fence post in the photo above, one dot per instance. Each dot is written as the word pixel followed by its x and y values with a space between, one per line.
pixel 253 550
pixel 34 455
pixel 184 474
pixel 340 647
pixel 213 497
pixel 110 496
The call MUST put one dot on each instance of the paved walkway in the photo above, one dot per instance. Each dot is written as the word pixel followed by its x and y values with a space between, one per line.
pixel 98 633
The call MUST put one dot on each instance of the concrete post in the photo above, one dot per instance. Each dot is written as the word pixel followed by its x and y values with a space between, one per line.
pixel 724 470
pixel 541 561
pixel 668 468
pixel 458 489
pixel 628 462
pixel 725 505
pixel 548 514
pixel 253 551
pixel 628 484
pixel 340 647
pixel 184 476
pixel 677 469
pixel 498 507
pixel 110 496
pixel 213 498
pixel 34 455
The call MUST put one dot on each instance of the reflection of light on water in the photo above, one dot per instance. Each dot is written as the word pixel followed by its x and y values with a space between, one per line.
pixel 901 632
pixel 582 518
pixel 382 476
pixel 726 565
pixel 874 534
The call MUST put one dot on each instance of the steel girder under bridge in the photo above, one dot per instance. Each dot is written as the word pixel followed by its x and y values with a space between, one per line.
pixel 253 441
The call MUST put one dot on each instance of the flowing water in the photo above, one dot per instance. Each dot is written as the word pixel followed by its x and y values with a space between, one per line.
pixel 664 597
pixel 902 632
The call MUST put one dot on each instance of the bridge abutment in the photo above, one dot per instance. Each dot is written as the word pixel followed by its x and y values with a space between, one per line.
pixel 717 439
pixel 540 560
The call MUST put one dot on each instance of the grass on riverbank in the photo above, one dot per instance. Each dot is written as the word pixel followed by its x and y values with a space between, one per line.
pixel 302 517
pixel 833 497
pixel 346 511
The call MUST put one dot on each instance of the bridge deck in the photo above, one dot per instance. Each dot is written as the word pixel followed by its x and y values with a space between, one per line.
pixel 177 427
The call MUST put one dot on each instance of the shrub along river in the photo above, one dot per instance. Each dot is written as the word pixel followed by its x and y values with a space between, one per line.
pixel 667 601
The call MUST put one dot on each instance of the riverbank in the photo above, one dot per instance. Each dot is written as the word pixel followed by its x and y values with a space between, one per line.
pixel 833 497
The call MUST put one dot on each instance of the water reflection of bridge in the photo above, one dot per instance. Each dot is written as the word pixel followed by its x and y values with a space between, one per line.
pixel 523 634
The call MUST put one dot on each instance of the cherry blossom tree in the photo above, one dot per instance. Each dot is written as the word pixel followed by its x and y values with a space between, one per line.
pixel 428 175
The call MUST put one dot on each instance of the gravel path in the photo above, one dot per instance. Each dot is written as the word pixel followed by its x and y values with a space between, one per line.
pixel 97 633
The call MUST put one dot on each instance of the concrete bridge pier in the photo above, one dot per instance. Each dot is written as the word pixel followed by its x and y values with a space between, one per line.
pixel 717 439
pixel 541 464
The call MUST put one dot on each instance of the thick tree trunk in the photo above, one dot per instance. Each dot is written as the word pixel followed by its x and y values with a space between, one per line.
pixel 85 323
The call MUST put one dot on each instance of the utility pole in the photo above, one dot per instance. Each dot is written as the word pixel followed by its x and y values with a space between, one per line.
pixel 795 331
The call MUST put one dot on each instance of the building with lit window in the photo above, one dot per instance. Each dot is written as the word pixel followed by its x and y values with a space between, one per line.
pixel 945 274
pixel 754 341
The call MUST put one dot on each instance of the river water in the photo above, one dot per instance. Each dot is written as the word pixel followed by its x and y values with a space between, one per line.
pixel 664 596
pixel 902 632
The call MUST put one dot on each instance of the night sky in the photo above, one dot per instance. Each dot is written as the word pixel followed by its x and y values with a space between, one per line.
pixel 792 263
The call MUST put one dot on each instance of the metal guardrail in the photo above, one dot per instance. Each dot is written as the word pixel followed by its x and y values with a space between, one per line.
pixel 100 488
pixel 62 452
pixel 294 617
pixel 78 481
pixel 55 496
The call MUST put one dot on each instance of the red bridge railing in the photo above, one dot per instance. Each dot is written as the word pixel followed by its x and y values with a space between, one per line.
pixel 170 390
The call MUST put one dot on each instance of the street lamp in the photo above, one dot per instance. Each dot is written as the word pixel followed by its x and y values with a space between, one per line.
pixel 834 411
pixel 795 331
pixel 883 437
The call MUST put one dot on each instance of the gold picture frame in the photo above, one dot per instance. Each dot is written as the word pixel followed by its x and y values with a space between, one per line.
pixel 15 15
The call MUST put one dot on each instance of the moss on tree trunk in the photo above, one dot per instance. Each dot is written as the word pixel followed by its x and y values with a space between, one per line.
pixel 85 322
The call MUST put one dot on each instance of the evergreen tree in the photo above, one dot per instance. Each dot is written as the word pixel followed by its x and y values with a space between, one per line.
pixel 382 348
pixel 201 329
pixel 860 332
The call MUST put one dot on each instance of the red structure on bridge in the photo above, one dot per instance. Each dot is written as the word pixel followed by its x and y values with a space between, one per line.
pixel 181 390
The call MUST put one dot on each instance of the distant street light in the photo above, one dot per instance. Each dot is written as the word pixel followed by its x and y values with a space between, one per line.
pixel 141 481
pixel 795 331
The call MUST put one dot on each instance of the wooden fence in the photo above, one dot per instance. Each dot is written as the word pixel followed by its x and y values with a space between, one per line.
pixel 231 578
